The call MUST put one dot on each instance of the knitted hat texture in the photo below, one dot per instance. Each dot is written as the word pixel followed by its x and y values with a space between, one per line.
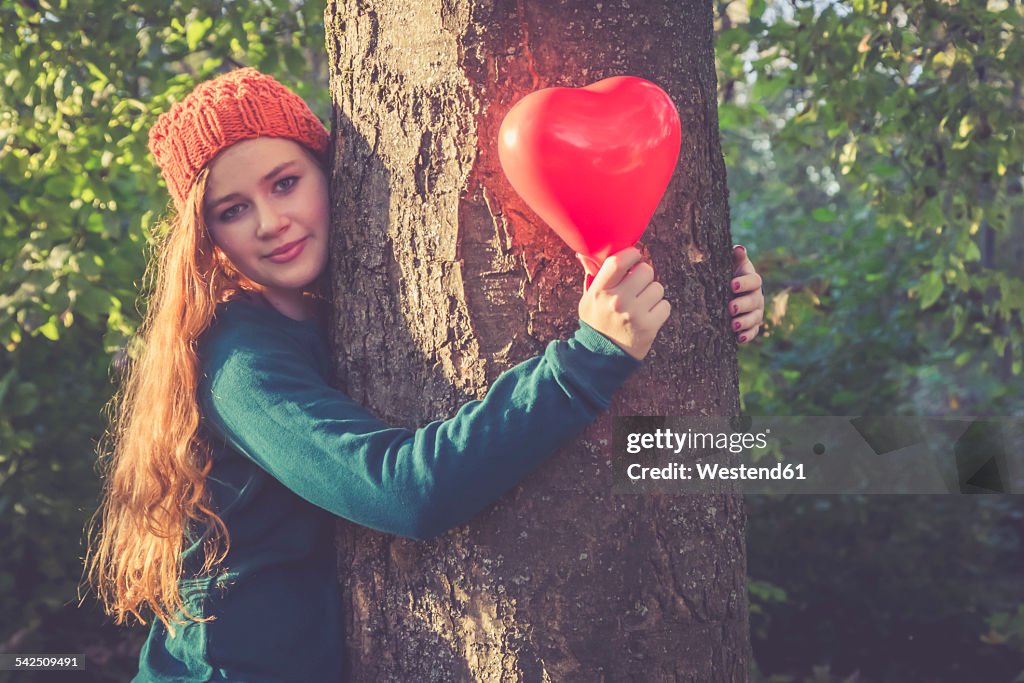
pixel 239 105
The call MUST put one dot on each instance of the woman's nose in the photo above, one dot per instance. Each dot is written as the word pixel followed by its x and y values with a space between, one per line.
pixel 271 220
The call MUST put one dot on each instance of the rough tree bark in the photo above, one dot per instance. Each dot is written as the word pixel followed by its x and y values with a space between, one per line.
pixel 443 279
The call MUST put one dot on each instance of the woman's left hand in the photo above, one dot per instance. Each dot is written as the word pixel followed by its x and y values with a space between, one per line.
pixel 747 305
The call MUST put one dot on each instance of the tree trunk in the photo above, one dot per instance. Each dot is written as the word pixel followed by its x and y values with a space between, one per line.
pixel 443 278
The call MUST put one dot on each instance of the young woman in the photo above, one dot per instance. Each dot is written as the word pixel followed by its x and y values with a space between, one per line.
pixel 230 454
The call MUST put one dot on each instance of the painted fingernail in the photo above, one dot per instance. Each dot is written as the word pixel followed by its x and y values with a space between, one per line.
pixel 735 308
pixel 736 325
pixel 736 285
pixel 743 338
pixel 740 247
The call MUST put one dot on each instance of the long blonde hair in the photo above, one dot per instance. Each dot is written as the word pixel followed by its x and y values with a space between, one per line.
pixel 154 458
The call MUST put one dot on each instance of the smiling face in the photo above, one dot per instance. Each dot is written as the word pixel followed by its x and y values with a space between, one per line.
pixel 266 207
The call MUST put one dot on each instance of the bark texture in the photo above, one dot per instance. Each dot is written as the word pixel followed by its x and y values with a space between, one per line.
pixel 443 278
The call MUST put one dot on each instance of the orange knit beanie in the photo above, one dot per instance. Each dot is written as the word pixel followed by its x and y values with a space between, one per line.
pixel 238 105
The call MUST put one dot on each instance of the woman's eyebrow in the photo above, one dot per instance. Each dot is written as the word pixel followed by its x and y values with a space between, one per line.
pixel 269 176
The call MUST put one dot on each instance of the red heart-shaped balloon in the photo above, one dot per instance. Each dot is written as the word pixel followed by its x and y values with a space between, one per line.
pixel 593 162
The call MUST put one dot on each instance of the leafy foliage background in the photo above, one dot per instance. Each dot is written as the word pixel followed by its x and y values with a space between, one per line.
pixel 874 152
pixel 875 156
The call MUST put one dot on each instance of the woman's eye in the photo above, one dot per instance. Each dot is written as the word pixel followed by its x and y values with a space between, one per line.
pixel 284 185
pixel 230 213
pixel 288 182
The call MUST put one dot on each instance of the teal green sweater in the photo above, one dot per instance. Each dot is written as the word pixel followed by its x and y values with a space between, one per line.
pixel 291 454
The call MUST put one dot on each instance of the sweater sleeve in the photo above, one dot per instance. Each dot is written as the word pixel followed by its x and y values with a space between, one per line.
pixel 273 405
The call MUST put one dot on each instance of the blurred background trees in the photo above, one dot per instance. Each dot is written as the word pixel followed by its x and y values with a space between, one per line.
pixel 875 157
pixel 875 166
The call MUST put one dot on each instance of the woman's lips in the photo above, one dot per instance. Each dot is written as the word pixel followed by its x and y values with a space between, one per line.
pixel 287 252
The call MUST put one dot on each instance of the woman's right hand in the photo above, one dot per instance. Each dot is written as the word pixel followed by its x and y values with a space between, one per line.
pixel 624 302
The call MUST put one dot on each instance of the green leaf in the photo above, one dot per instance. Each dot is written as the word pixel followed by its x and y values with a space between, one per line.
pixel 823 214
pixel 730 116
pixel 767 87
pixel 5 382
pixel 971 252
pixel 835 131
pixel 966 126
pixel 196 31
pixel 885 170
pixel 999 344
pixel 930 288
pixel 58 186
pixel 101 78
pixel 50 330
